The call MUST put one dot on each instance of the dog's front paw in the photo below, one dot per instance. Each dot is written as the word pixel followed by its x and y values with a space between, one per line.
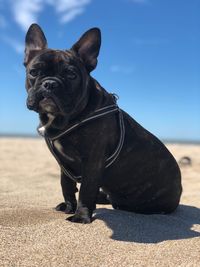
pixel 61 207
pixel 67 207
pixel 81 216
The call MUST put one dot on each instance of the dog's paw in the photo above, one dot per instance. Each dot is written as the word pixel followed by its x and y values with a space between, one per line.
pixel 81 216
pixel 68 207
pixel 79 219
pixel 61 207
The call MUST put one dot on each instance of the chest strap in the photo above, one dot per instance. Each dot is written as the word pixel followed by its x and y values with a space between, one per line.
pixel 97 114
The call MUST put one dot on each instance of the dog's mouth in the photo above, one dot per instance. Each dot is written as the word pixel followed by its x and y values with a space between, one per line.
pixel 43 103
pixel 48 105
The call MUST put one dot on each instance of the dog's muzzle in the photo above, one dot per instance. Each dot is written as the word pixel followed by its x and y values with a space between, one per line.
pixel 43 99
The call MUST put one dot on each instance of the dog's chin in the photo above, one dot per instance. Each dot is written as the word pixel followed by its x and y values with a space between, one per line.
pixel 52 118
pixel 48 105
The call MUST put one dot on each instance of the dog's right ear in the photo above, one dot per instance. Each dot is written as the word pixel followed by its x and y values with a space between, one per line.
pixel 35 41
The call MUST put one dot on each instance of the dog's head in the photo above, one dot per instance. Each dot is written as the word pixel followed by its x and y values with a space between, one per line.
pixel 57 80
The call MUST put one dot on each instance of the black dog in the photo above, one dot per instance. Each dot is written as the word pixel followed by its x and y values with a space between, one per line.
pixel 94 141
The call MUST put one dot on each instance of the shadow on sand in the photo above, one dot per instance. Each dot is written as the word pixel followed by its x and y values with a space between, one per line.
pixel 132 227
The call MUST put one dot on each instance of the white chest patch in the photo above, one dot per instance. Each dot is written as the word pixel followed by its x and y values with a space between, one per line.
pixel 43 128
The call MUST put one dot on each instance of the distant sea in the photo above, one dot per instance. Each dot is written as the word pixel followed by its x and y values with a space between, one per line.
pixel 9 135
pixel 165 141
pixel 176 141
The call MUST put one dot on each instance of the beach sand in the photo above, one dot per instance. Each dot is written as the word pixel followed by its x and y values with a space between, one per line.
pixel 33 234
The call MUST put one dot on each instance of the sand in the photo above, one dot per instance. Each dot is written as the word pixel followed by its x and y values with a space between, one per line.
pixel 33 234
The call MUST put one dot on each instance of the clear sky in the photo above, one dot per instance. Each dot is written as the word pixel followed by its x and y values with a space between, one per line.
pixel 150 57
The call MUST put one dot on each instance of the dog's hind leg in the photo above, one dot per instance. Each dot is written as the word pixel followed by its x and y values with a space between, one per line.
pixel 162 205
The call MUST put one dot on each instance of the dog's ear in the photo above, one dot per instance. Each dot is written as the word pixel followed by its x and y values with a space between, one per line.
pixel 88 48
pixel 35 41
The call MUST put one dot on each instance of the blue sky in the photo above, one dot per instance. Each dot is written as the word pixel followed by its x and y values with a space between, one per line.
pixel 150 57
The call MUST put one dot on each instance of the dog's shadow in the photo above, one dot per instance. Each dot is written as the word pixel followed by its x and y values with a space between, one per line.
pixel 132 227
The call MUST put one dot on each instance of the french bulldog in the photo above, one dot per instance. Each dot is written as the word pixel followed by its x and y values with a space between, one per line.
pixel 94 141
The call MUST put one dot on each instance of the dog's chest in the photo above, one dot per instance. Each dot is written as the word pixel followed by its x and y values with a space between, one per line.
pixel 67 157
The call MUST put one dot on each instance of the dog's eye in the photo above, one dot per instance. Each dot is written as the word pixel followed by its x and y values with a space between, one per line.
pixel 71 74
pixel 34 72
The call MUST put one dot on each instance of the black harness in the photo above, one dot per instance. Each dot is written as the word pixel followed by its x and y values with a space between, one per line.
pixel 97 114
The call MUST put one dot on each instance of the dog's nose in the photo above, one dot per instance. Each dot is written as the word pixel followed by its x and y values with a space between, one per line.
pixel 50 84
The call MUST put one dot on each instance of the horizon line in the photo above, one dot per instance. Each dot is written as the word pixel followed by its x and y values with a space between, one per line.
pixel 164 140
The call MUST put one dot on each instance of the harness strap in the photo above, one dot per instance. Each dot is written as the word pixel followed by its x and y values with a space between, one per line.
pixel 67 172
pixel 98 113
pixel 114 156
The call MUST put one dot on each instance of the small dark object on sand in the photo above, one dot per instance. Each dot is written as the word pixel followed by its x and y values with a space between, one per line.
pixel 185 161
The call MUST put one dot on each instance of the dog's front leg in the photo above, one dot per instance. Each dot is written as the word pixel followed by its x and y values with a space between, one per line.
pixel 68 189
pixel 92 173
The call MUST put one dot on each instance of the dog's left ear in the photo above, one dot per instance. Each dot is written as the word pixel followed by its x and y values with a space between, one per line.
pixel 88 48
pixel 35 41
